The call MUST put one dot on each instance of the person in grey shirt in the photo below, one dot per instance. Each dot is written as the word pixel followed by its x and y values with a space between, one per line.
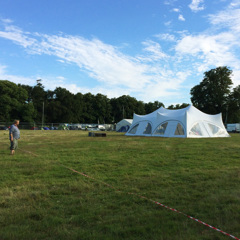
pixel 14 135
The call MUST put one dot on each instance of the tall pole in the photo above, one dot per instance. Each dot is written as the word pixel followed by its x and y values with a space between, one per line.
pixel 226 116
pixel 43 115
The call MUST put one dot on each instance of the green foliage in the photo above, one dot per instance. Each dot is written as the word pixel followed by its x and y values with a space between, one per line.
pixel 88 108
pixel 178 106
pixel 24 102
pixel 151 107
pixel 125 106
pixel 211 95
pixel 13 99
pixel 233 108
pixel 27 112
pixel 102 109
pixel 41 199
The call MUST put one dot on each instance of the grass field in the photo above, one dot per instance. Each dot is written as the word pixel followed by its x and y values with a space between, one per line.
pixel 40 198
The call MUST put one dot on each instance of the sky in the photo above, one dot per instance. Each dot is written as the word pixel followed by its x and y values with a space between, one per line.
pixel 153 50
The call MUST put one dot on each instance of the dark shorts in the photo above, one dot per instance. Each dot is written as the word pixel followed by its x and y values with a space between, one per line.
pixel 14 144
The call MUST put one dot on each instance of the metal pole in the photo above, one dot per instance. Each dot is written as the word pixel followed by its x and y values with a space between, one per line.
pixel 43 115
pixel 226 116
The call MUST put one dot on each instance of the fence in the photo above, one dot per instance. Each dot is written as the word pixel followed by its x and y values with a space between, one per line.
pixel 61 126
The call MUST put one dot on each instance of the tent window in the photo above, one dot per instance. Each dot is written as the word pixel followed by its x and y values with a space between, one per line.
pixel 161 129
pixel 179 130
pixel 196 130
pixel 134 129
pixel 216 131
pixel 148 129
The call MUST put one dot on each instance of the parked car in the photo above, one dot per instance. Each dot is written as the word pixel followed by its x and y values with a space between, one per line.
pixel 34 128
pixel 4 128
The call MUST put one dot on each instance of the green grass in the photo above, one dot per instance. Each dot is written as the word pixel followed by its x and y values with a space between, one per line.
pixel 42 199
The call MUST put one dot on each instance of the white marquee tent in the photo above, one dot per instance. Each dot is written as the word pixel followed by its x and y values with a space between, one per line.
pixel 188 122
pixel 124 124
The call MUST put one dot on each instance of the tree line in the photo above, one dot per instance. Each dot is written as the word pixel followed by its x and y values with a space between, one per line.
pixel 32 103
pixel 35 104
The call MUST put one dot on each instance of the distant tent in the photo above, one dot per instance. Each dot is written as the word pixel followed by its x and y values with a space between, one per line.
pixel 188 122
pixel 124 128
pixel 123 125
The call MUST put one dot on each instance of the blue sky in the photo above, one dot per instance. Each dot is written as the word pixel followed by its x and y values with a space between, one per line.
pixel 148 49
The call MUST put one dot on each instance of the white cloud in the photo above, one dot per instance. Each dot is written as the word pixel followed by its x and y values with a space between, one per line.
pixel 166 37
pixel 176 10
pixel 181 18
pixel 236 77
pixel 6 20
pixel 4 75
pixel 50 82
pixel 195 5
pixel 61 61
pixel 229 18
pixel 151 75
pixel 155 51
pixel 101 61
pixel 17 35
pixel 116 73
pixel 214 50
pixel 168 23
pixel 167 85
pixel 112 69
pixel 169 2
pixel 234 3
pixel 218 47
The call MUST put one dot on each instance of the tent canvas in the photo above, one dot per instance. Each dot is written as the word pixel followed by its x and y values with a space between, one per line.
pixel 188 122
pixel 124 123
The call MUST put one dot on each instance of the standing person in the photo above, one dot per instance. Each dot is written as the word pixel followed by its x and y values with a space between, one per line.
pixel 14 135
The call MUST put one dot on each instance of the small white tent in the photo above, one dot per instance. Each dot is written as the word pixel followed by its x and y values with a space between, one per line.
pixel 124 125
pixel 188 122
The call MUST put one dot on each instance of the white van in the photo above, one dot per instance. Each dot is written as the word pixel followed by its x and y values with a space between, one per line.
pixel 233 127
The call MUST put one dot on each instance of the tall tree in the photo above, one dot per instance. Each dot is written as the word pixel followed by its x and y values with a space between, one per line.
pixel 29 91
pixel 233 108
pixel 27 112
pixel 211 95
pixel 13 99
pixel 102 108
pixel 125 106
pixel 151 107
pixel 39 98
pixel 78 107
pixel 61 107
pixel 88 108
